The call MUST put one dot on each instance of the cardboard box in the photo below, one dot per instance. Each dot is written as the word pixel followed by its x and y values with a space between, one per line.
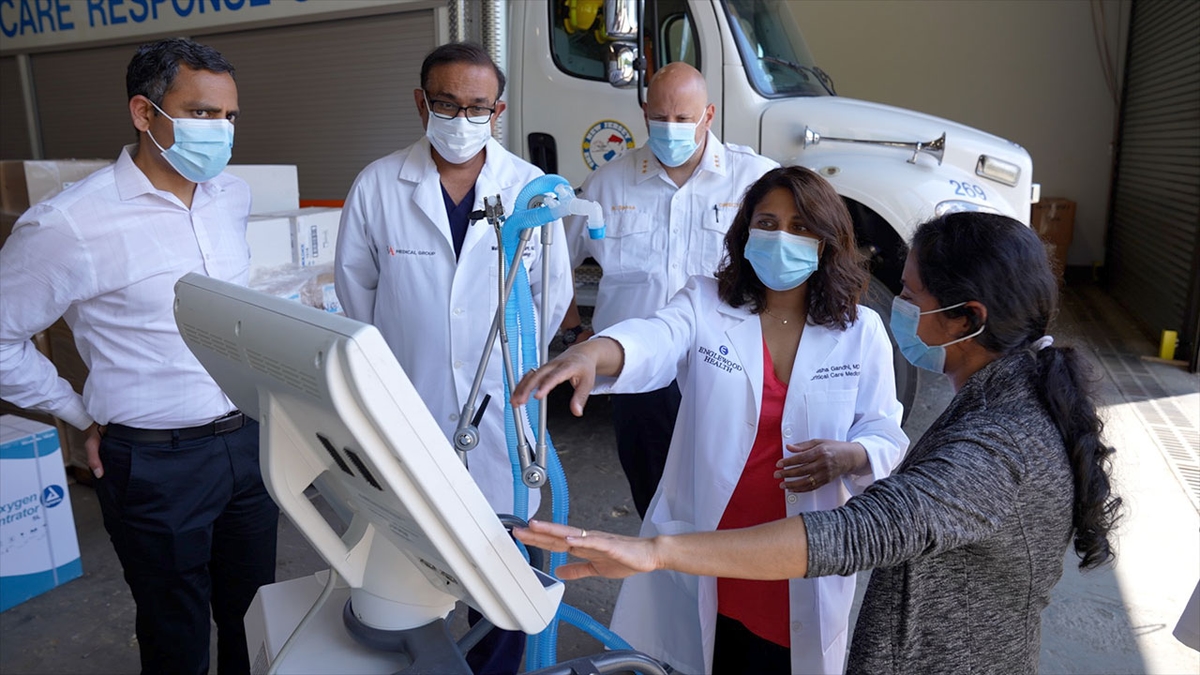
pixel 274 187
pixel 314 235
pixel 270 240
pixel 1053 218
pixel 38 546
pixel 24 183
pixel 7 220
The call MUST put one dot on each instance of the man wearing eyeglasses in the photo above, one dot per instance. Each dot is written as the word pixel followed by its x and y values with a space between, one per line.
pixel 410 262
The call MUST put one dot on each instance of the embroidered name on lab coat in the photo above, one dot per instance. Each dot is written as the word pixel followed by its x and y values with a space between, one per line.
pixel 844 370
pixel 714 359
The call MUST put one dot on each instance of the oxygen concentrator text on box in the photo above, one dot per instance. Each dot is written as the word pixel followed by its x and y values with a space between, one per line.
pixel 38 546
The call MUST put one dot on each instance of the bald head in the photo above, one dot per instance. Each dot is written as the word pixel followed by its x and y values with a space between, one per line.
pixel 677 93
pixel 678 79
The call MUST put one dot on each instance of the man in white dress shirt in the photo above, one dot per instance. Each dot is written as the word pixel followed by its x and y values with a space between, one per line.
pixel 176 464
pixel 667 206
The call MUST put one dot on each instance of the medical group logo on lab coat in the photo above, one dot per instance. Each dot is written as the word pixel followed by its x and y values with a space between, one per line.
pixel 604 142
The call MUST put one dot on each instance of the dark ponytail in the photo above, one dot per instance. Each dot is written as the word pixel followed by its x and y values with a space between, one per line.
pixel 1063 378
pixel 999 262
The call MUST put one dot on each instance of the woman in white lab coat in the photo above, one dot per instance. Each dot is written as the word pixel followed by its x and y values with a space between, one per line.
pixel 774 358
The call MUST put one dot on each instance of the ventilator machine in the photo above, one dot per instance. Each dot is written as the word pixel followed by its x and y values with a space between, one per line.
pixel 340 418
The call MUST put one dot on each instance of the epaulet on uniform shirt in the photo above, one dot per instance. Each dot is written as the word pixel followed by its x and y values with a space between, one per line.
pixel 741 149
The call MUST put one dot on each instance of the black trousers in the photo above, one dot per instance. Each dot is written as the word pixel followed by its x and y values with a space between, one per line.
pixel 498 653
pixel 644 424
pixel 737 650
pixel 194 527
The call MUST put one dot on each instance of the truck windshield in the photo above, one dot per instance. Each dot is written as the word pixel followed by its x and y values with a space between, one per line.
pixel 773 51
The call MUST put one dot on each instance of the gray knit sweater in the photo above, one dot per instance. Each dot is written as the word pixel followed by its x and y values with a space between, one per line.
pixel 966 537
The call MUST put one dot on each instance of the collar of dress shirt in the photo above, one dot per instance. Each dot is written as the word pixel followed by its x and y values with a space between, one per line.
pixel 646 165
pixel 132 183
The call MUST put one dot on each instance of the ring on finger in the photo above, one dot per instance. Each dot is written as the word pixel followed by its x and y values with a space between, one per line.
pixel 583 534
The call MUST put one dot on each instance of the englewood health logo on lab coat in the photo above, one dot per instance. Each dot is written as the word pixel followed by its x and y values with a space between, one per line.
pixel 719 359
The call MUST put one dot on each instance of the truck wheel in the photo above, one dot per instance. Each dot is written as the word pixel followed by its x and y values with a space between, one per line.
pixel 879 298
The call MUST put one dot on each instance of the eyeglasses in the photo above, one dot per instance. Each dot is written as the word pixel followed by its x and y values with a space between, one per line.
pixel 476 114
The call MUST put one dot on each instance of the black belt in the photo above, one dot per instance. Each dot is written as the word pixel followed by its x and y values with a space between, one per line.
pixel 222 425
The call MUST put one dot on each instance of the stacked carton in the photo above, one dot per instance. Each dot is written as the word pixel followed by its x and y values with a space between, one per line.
pixel 300 237
pixel 38 546
pixel 291 248
pixel 1053 218
pixel 24 183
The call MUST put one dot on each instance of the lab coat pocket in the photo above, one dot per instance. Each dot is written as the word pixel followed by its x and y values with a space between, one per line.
pixel 629 246
pixel 830 413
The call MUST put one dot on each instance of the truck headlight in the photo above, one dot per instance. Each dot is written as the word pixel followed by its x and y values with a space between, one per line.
pixel 959 205
pixel 998 170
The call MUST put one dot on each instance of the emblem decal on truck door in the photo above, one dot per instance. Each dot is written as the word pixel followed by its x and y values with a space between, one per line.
pixel 604 142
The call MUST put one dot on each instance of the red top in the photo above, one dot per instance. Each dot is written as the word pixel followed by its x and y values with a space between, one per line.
pixel 761 606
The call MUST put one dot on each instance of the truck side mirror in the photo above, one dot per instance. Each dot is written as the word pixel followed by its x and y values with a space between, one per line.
pixel 620 64
pixel 621 19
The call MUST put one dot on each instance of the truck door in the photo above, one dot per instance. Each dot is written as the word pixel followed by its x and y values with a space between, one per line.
pixel 566 116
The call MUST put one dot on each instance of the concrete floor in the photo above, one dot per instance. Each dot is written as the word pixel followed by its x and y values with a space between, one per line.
pixel 1113 620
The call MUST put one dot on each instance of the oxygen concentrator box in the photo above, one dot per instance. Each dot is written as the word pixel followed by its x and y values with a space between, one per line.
pixel 38 546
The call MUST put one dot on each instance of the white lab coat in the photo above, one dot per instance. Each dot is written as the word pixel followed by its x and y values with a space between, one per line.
pixel 842 388
pixel 395 268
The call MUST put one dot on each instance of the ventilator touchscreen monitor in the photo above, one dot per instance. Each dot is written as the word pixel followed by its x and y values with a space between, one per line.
pixel 333 403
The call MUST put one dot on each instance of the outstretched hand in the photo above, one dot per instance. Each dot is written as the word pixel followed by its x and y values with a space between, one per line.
pixel 607 555
pixel 578 365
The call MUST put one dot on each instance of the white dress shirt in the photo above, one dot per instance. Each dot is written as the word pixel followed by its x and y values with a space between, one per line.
pixel 105 254
pixel 395 268
pixel 659 235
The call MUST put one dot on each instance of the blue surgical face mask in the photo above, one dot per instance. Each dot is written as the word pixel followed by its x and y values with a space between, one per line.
pixel 782 260
pixel 202 147
pixel 905 317
pixel 673 143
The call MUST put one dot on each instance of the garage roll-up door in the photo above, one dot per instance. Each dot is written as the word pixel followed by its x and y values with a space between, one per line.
pixel 1154 227
pixel 329 97
pixel 81 102
pixel 14 132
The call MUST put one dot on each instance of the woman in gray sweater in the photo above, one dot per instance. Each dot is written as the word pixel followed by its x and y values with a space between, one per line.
pixel 967 535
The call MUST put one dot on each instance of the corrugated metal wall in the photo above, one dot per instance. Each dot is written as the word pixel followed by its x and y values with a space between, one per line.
pixel 1154 224
pixel 329 97
pixel 81 102
pixel 14 134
